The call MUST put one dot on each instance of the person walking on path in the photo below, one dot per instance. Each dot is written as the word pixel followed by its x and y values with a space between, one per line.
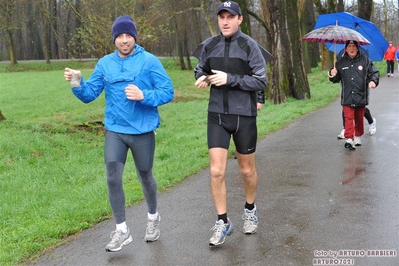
pixel 135 84
pixel 234 66
pixel 397 56
pixel 367 114
pixel 389 56
pixel 357 74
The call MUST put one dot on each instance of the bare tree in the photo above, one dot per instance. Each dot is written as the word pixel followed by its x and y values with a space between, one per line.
pixel 7 9
pixel 288 72
pixel 330 6
pixel 364 9
pixel 385 18
pixel 46 9
pixel 311 53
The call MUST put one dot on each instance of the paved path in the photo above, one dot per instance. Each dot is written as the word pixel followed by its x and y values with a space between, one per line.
pixel 314 198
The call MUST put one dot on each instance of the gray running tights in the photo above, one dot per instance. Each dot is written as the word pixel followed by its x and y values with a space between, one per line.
pixel 142 148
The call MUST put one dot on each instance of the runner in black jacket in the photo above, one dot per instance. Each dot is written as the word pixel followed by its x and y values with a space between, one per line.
pixel 234 66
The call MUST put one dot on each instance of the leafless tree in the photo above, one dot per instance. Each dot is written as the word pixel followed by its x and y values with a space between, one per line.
pixel 288 72
pixel 7 11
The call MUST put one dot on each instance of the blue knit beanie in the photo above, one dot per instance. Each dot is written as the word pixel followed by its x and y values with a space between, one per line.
pixel 124 24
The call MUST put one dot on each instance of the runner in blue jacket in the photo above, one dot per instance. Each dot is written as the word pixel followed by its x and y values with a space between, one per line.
pixel 135 84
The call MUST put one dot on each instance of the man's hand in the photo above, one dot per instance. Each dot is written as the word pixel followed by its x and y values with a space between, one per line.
pixel 372 85
pixel 73 76
pixel 332 73
pixel 219 78
pixel 202 82
pixel 134 93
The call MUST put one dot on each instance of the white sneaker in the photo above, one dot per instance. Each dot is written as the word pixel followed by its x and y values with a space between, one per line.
pixel 152 231
pixel 118 240
pixel 350 145
pixel 373 127
pixel 342 134
pixel 358 142
pixel 250 221
pixel 391 74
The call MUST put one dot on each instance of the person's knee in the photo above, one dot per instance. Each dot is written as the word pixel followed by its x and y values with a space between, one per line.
pixel 217 172
pixel 248 172
pixel 146 177
pixel 114 173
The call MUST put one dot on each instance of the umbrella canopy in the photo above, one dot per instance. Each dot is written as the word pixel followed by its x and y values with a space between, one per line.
pixel 334 34
pixel 368 29
pixel 266 55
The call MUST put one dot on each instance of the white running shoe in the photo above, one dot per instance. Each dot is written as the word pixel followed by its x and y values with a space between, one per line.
pixel 373 127
pixel 350 144
pixel 152 231
pixel 250 221
pixel 220 231
pixel 118 240
pixel 358 142
pixel 342 134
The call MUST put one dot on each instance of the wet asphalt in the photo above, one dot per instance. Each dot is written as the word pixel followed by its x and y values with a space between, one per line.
pixel 317 203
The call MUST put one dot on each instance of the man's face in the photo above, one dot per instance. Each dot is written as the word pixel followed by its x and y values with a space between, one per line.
pixel 352 49
pixel 125 44
pixel 228 24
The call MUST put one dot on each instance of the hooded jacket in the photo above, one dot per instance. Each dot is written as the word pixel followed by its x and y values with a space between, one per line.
pixel 355 75
pixel 112 74
pixel 240 57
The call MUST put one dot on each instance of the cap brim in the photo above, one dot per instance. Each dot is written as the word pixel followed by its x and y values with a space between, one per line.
pixel 234 13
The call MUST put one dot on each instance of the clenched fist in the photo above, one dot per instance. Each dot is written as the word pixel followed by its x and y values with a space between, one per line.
pixel 134 93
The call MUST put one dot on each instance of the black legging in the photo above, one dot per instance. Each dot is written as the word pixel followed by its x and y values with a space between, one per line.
pixel 390 66
pixel 367 115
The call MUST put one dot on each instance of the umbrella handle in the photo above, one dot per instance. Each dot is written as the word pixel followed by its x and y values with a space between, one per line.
pixel 335 50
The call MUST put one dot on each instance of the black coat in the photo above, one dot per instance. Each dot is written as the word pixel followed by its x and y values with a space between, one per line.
pixel 355 75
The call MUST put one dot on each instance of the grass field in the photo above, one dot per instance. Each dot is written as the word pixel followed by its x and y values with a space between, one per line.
pixel 51 152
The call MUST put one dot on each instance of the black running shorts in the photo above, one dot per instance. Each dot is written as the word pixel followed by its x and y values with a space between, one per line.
pixel 243 129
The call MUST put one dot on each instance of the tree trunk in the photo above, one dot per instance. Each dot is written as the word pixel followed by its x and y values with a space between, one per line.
pixel 364 9
pixel 288 76
pixel 208 18
pixel 386 19
pixel 340 6
pixel 327 57
pixel 311 53
pixel 54 26
pixel 246 23
pixel 7 11
pixel 11 48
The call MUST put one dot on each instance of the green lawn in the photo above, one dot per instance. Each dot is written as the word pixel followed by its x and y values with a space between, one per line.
pixel 51 152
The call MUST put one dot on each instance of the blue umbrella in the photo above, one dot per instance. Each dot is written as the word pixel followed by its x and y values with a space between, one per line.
pixel 368 29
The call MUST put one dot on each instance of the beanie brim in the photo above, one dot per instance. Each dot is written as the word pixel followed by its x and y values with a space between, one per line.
pixel 352 42
pixel 124 25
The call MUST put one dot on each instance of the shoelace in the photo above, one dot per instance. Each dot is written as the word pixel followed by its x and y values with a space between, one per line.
pixel 150 226
pixel 115 236
pixel 248 216
pixel 218 228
